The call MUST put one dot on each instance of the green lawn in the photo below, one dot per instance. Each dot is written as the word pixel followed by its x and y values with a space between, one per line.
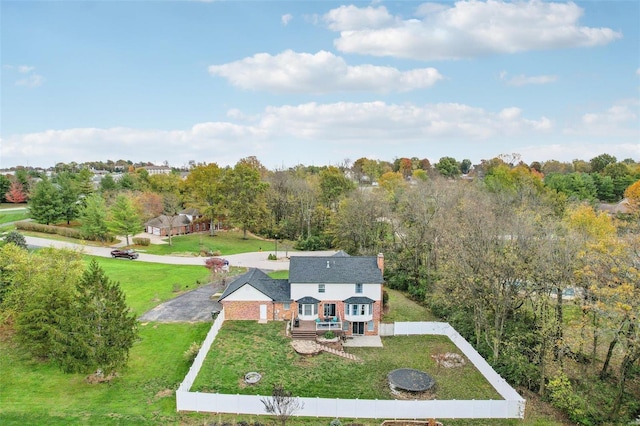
pixel 224 242
pixel 404 309
pixel 148 284
pixel 33 392
pixel 12 216
pixel 243 346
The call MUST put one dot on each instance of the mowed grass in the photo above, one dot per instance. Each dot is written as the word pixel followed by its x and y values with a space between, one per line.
pixel 34 392
pixel 243 346
pixel 405 309
pixel 12 216
pixel 223 242
pixel 148 284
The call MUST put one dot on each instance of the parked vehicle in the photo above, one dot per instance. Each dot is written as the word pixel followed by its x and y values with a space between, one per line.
pixel 127 254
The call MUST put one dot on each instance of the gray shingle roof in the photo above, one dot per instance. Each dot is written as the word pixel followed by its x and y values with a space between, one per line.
pixel 359 300
pixel 277 290
pixel 334 269
pixel 163 221
pixel 308 300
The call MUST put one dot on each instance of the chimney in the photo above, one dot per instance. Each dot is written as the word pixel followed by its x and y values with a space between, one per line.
pixel 381 262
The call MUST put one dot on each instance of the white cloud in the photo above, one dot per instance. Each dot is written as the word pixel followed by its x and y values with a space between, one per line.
pixel 638 71
pixel 523 80
pixel 322 72
pixel 464 29
pixel 286 19
pixel 32 80
pixel 352 18
pixel 25 68
pixel 322 134
pixel 619 120
pixel 28 76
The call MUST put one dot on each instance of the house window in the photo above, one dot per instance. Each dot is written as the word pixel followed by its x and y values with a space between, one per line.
pixel 308 309
pixel 329 310
pixel 320 288
pixel 370 325
pixel 358 288
pixel 286 306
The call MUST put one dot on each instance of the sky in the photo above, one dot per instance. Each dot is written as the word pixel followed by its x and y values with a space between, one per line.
pixel 317 82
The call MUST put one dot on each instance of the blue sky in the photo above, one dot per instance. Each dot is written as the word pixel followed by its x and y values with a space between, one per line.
pixel 317 82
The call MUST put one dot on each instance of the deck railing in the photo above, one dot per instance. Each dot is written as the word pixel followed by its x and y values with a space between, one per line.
pixel 327 325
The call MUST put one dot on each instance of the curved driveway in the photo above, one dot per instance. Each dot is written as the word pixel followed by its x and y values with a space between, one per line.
pixel 197 304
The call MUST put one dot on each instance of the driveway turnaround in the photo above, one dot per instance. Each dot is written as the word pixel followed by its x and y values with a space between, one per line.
pixel 193 306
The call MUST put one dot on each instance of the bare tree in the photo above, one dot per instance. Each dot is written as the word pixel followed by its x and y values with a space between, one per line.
pixel 282 404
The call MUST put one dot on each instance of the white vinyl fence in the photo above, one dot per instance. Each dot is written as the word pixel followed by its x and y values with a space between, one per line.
pixel 511 407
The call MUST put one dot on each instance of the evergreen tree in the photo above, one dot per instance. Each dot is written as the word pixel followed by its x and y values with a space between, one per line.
pixel 94 218
pixel 108 328
pixel 45 205
pixel 125 219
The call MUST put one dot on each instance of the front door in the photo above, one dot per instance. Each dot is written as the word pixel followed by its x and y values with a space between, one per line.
pixel 263 312
pixel 357 328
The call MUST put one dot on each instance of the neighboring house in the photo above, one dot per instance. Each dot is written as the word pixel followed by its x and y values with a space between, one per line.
pixel 341 293
pixel 157 170
pixel 186 222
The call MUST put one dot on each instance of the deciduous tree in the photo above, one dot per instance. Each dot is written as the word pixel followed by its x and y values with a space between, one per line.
pixel 123 218
pixel 15 193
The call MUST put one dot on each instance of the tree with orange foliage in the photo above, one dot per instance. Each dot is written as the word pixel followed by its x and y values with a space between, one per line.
pixel 16 193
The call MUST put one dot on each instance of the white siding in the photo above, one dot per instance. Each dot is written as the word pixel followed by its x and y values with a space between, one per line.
pixel 246 293
pixel 335 291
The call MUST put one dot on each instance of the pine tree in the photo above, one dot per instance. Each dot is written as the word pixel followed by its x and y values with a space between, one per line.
pixel 45 205
pixel 108 328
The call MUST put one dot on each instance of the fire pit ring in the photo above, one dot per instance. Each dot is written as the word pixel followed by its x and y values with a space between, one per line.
pixel 252 377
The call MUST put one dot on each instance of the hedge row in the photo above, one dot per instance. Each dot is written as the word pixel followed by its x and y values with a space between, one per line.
pixel 51 229
pixel 140 241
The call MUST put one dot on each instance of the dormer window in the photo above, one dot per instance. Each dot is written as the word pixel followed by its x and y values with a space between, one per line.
pixel 358 288
pixel 321 288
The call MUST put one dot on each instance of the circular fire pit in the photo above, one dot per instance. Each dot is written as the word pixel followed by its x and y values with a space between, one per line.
pixel 408 379
pixel 252 378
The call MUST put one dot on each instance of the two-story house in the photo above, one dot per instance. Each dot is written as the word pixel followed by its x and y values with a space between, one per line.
pixel 341 293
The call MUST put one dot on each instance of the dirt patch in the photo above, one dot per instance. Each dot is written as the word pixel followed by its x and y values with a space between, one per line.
pixel 164 393
pixel 99 377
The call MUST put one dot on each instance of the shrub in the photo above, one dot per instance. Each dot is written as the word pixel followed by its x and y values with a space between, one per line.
pixel 272 257
pixel 16 238
pixel 563 396
pixel 329 334
pixel 335 422
pixel 140 241
pixel 385 298
pixel 190 354
pixel 51 229
pixel 312 243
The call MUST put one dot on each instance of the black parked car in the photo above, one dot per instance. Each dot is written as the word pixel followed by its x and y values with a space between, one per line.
pixel 128 254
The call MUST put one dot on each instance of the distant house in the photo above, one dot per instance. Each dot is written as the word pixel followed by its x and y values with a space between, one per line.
pixel 186 222
pixel 157 170
pixel 340 293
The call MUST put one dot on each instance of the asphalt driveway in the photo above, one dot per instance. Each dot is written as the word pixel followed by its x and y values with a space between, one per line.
pixel 193 306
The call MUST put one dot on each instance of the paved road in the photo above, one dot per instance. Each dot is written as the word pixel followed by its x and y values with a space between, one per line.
pixel 247 260
pixel 195 305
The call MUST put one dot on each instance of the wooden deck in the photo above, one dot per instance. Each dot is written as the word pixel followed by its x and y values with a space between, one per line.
pixel 308 330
